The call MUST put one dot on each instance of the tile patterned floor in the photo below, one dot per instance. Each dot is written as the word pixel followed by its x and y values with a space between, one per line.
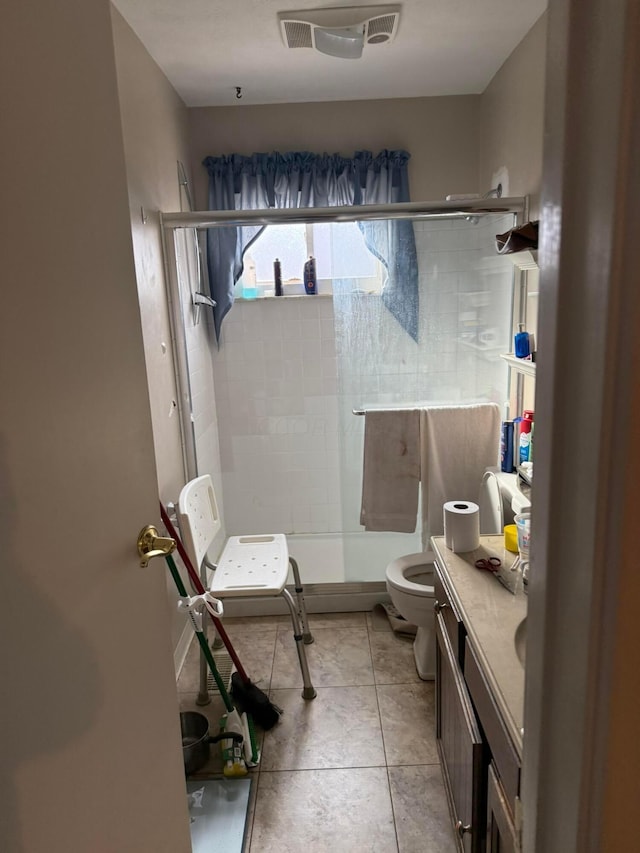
pixel 354 770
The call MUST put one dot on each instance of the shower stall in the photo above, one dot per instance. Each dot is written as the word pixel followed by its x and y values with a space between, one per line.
pixel 274 411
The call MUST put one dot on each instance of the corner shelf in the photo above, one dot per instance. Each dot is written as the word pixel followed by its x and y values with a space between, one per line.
pixel 522 365
pixel 527 259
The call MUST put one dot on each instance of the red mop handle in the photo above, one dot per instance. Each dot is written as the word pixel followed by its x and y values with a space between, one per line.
pixel 195 580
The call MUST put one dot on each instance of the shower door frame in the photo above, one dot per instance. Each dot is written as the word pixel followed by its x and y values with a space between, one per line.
pixel 171 222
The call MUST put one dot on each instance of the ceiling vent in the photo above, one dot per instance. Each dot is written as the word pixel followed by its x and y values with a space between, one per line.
pixel 340 32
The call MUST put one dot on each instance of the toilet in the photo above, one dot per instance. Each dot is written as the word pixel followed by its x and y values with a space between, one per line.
pixel 410 578
pixel 410 585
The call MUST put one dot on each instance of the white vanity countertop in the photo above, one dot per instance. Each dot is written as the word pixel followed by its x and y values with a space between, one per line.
pixel 491 615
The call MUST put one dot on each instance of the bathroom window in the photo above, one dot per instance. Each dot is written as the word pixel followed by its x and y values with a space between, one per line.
pixel 339 248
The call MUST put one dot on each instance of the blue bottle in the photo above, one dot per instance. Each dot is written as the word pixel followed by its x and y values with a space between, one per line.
pixel 521 345
pixel 506 447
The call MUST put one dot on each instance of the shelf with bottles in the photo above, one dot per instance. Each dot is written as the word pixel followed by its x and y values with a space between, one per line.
pixel 522 365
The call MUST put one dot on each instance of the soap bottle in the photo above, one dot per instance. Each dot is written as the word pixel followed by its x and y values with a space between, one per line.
pixel 310 283
pixel 521 346
pixel 277 277
pixel 526 426
pixel 249 281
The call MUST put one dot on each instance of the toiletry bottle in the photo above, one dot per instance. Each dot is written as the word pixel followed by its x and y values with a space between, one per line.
pixel 517 424
pixel 249 281
pixel 310 285
pixel 525 435
pixel 277 277
pixel 506 447
pixel 521 343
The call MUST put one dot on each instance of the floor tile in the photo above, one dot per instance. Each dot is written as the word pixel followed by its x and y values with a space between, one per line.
pixel 392 656
pixel 244 625
pixel 327 620
pixel 407 713
pixel 254 647
pixel 324 811
pixel 377 620
pixel 420 809
pixel 256 652
pixel 337 657
pixel 339 728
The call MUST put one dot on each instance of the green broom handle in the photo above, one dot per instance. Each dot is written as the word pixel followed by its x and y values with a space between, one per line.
pixel 206 651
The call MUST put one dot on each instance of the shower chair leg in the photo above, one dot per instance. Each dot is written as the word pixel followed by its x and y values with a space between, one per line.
pixel 308 690
pixel 302 610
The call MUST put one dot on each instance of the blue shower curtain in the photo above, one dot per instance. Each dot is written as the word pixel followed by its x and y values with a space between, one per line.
pixel 301 180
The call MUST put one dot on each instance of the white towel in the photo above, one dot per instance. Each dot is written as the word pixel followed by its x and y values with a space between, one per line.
pixel 391 470
pixel 457 444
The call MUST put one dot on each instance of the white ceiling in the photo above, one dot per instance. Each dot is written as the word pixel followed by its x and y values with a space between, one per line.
pixel 443 47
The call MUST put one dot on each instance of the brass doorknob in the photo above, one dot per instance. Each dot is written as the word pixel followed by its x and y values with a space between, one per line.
pixel 150 544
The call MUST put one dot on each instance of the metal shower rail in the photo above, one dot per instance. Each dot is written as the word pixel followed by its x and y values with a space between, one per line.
pixel 352 213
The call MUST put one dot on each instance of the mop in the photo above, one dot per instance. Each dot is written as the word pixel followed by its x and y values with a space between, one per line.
pixel 248 696
pixel 237 755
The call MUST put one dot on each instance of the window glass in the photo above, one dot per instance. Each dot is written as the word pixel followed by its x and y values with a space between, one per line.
pixel 339 249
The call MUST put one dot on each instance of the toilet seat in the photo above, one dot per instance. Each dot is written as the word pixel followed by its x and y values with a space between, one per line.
pixel 399 573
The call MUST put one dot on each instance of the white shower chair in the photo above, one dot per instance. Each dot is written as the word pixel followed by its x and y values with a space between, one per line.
pixel 249 567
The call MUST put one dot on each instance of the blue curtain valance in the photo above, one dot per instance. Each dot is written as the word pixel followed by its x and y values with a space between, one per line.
pixel 301 180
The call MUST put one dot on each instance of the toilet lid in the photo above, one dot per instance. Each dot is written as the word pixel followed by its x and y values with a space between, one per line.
pixel 491 516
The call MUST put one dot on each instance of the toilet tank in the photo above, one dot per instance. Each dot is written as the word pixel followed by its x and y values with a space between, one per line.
pixel 500 499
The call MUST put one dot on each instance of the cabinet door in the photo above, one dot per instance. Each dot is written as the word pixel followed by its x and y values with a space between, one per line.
pixel 452 621
pixel 460 745
pixel 501 833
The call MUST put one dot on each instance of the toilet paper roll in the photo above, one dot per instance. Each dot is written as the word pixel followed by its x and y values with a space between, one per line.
pixel 461 526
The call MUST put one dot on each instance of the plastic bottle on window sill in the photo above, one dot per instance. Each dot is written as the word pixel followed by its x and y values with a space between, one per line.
pixel 521 346
pixel 277 277
pixel 310 282
pixel 249 282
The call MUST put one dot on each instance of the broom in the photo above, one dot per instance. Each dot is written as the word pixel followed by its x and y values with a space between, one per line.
pixel 239 745
pixel 247 695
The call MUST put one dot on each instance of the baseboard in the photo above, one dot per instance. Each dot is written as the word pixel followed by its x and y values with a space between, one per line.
pixel 318 598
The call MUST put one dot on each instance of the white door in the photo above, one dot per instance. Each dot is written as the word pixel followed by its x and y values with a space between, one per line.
pixel 90 754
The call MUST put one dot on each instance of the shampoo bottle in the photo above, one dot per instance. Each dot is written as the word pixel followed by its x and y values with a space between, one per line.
pixel 277 277
pixel 310 285
pixel 506 446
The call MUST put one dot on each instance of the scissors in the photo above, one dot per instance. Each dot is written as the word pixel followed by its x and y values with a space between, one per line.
pixel 491 564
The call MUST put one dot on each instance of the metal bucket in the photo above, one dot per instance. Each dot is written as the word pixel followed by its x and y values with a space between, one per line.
pixel 195 740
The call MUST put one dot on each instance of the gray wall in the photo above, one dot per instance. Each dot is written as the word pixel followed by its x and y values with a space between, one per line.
pixel 154 129
pixel 511 120
pixel 441 134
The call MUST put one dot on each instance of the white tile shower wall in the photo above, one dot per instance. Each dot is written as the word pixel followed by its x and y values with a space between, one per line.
pixel 199 343
pixel 275 379
pixel 465 295
pixel 290 371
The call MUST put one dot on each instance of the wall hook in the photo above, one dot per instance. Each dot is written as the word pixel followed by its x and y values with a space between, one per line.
pixel 238 92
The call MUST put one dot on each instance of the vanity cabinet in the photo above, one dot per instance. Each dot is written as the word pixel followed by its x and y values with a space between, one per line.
pixel 480 763
pixel 460 745
pixel 501 833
